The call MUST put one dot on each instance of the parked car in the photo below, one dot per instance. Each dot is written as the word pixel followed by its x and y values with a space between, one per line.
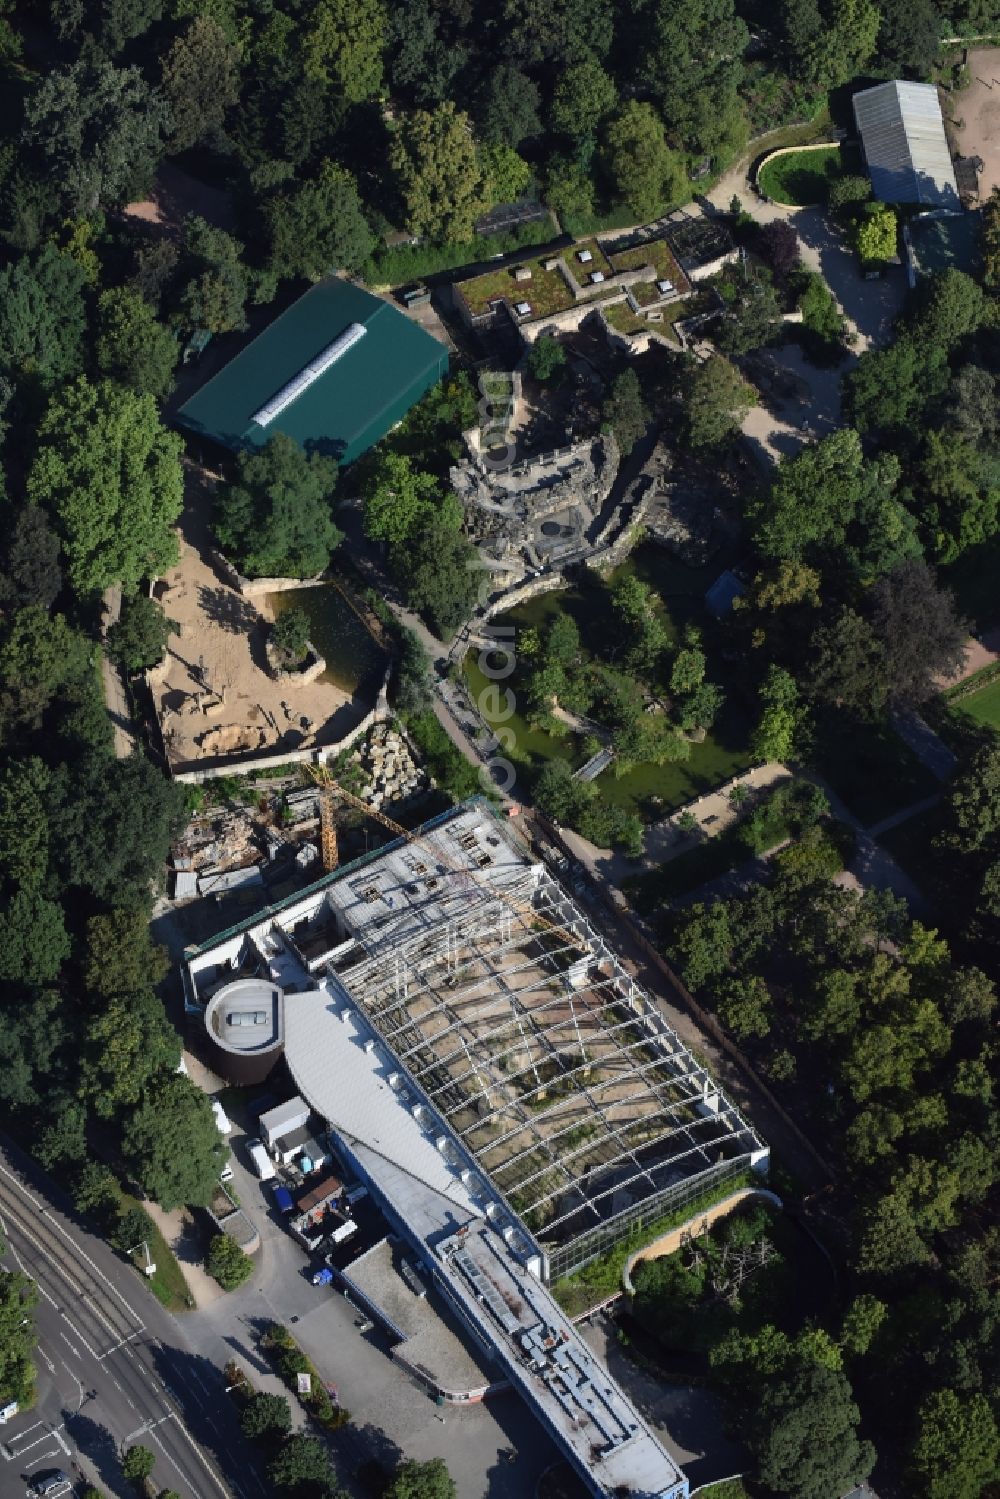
pixel 53 1485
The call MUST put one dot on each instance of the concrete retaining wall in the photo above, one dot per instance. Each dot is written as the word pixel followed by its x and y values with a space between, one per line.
pixel 789 151
pixel 316 754
pixel 254 587
pixel 670 1242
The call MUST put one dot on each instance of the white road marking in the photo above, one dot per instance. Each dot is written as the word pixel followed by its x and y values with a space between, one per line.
pixel 51 1365
pixel 78 1334
pixel 179 1426
pixel 42 1458
pixel 59 1439
pixel 69 1345
pixel 39 1207
pixel 108 1351
pixel 27 1446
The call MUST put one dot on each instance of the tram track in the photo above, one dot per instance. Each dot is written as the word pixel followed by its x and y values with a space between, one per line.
pixel 99 1334
pixel 110 1320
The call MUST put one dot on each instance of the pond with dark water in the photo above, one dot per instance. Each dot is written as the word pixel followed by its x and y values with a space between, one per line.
pixel 355 662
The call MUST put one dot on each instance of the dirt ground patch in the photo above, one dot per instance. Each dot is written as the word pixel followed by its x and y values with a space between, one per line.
pixel 978 653
pixel 213 694
pixel 175 194
pixel 976 116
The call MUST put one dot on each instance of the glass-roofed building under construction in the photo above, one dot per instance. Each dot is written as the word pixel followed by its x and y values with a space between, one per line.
pixel 447 1005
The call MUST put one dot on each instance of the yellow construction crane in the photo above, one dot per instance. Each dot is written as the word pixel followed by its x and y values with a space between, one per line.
pixel 329 790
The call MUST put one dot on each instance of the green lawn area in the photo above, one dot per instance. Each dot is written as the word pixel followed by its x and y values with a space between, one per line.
pixel 656 253
pixel 803 177
pixel 546 291
pixel 167 1284
pixel 582 271
pixel 622 317
pixel 983 707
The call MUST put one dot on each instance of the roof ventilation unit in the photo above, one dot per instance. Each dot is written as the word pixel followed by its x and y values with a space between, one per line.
pixel 351 335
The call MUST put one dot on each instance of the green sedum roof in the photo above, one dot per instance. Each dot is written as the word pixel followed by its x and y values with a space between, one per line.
pixel 347 408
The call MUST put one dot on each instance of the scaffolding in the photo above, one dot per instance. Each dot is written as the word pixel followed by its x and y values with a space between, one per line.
pixel 545 1060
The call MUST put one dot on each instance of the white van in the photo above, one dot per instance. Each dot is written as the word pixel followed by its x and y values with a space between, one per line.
pixel 260 1160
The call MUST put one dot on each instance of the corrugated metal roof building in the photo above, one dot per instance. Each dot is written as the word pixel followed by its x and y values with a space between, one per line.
pixel 335 372
pixel 906 151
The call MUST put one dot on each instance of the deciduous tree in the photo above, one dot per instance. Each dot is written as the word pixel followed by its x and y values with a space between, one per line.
pixel 201 81
pixel 716 402
pixel 132 346
pixel 875 233
pixel 805 1435
pixel 343 44
pixel 99 132
pixel 439 173
pixel 110 474
pixel 625 411
pixel 265 1417
pixel 783 730
pixel 139 637
pixel 276 519
pixel 172 1144
pixel 426 1480
pixel 126 1044
pixel 29 570
pixel 922 636
pixel 42 316
pixel 507 111
pixel 584 96
pixel 18 1299
pixel 318 226
pixel 957 1445
pixel 645 171
pixel 398 499
pixel 228 1264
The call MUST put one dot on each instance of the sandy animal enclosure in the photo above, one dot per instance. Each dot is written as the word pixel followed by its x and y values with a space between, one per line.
pixel 214 696
pixel 976 116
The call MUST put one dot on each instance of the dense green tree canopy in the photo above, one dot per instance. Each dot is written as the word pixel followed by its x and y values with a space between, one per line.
pixel 29 562
pixel 98 130
pixel 109 473
pixel 172 1144
pixel 625 411
pixel 439 173
pixel 693 64
pixel 132 346
pixel 427 1480
pixel 18 1299
pixel 42 316
pixel 276 518
pixel 831 506
pixel 117 818
pixel 716 402
pixel 317 227
pixel 228 1264
pixel 646 172
pixel 343 46
pixel 200 82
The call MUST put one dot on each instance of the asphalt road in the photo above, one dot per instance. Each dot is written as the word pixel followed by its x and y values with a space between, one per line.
pixel 114 1368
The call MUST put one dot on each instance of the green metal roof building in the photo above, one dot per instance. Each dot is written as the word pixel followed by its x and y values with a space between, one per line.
pixel 334 372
